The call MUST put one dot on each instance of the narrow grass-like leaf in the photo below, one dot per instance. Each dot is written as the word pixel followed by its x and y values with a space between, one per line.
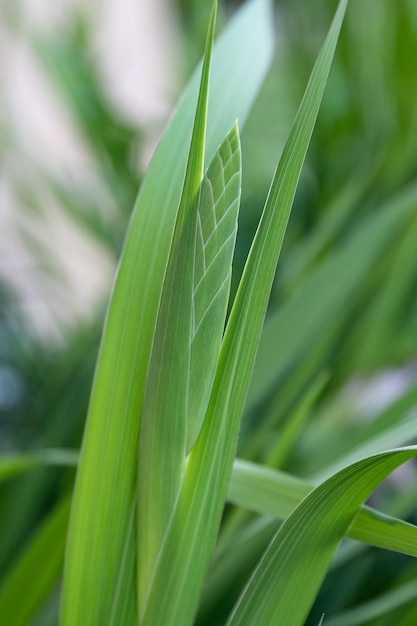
pixel 393 426
pixel 407 618
pixel 14 464
pixel 401 432
pixel 164 418
pixel 236 558
pixel 106 479
pixel 265 490
pixel 333 221
pixel 185 553
pixel 384 531
pixel 385 312
pixel 377 607
pixel 279 347
pixel 293 426
pixel 271 492
pixel 300 553
pixel 29 580
pixel 215 241
pixel 162 452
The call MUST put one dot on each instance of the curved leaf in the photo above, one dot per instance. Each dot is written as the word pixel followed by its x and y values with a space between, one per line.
pixel 185 554
pixel 215 242
pixel 285 583
pixel 28 581
pixel 164 416
pixel 106 481
pixel 271 492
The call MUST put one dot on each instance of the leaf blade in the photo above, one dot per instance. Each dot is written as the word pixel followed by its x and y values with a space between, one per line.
pixel 302 549
pixel 36 568
pixel 103 501
pixel 164 415
pixel 215 242
pixel 270 492
pixel 186 551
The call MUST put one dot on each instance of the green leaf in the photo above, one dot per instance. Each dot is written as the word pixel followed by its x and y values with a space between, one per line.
pixel 13 464
pixel 28 581
pixel 301 551
pixel 164 419
pixel 234 557
pixel 265 490
pixel 377 607
pixel 184 556
pixel 344 270
pixel 215 242
pixel 400 431
pixel 297 419
pixel 104 500
pixel 271 492
pixel 408 617
pixel 394 426
pixel 385 313
pixel 186 346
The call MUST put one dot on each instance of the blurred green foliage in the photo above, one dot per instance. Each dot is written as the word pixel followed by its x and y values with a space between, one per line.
pixel 362 165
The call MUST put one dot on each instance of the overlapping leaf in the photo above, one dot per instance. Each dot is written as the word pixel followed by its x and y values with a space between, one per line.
pixel 106 481
pixel 188 336
pixel 298 556
pixel 270 492
pixel 215 242
pixel 164 417
pixel 185 553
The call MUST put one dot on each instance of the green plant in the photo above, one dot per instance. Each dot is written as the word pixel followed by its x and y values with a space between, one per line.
pixel 158 457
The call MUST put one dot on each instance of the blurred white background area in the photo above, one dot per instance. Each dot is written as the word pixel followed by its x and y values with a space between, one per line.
pixel 54 270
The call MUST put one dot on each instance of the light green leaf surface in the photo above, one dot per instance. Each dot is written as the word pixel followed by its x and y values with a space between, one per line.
pixel 265 490
pixel 215 242
pixel 28 581
pixel 186 551
pixel 164 416
pixel 301 551
pixel 106 481
pixel 271 492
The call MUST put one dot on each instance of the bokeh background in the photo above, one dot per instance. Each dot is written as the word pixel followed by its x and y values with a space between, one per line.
pixel 86 87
